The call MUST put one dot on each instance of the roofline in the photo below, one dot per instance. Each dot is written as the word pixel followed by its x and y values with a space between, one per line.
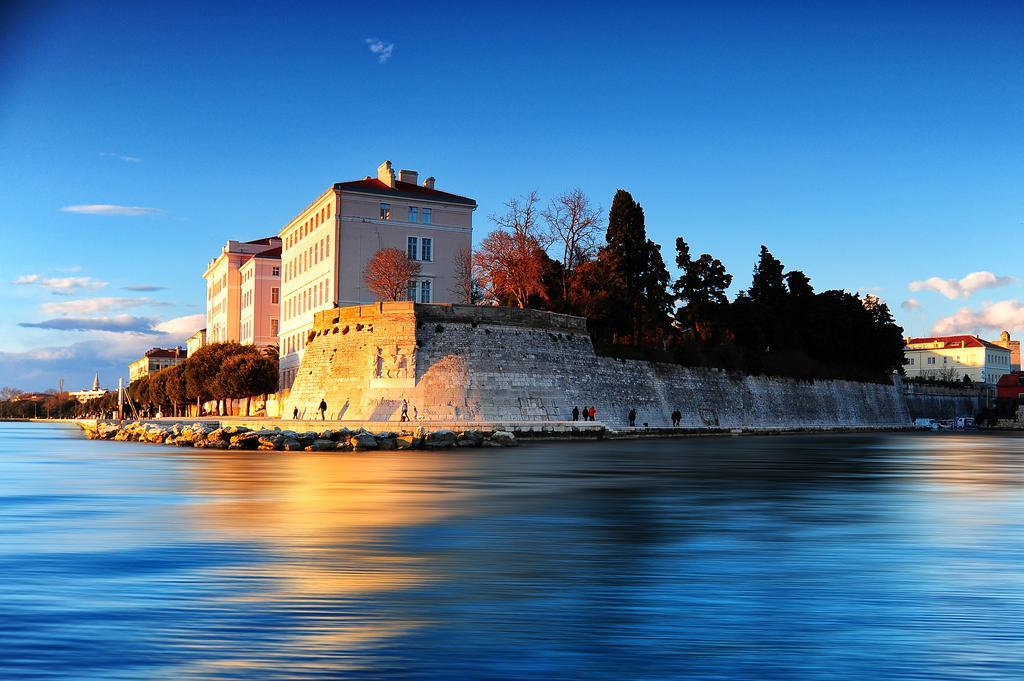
pixel 468 202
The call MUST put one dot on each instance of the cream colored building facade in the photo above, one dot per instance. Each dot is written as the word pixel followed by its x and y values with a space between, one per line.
pixel 326 247
pixel 195 341
pixel 953 357
pixel 224 288
pixel 154 360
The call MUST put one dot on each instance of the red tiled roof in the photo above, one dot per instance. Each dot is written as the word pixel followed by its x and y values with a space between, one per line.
pixel 403 189
pixel 162 352
pixel 950 342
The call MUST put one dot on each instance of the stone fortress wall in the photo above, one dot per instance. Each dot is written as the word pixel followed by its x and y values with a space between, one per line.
pixel 479 364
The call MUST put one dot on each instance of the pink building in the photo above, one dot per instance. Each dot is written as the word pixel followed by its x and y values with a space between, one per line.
pixel 260 298
pixel 325 248
pixel 224 289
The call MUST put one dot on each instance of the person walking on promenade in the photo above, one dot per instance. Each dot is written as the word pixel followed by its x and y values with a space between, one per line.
pixel 593 412
pixel 405 410
pixel 575 413
pixel 632 418
pixel 295 414
pixel 676 417
pixel 586 413
pixel 323 409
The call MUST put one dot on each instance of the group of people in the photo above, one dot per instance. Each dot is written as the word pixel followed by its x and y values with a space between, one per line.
pixel 588 413
pixel 322 409
pixel 405 412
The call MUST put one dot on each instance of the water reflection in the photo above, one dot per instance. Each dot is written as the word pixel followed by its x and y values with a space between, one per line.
pixel 895 556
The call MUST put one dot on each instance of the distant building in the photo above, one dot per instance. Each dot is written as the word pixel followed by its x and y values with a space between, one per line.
pixel 84 396
pixel 1013 346
pixel 1011 387
pixel 154 360
pixel 32 397
pixel 195 341
pixel 326 247
pixel 259 314
pixel 224 287
pixel 951 358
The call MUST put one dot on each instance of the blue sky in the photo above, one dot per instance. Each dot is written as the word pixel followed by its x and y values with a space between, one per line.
pixel 871 145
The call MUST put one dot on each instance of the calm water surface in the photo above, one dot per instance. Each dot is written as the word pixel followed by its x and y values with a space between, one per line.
pixel 832 557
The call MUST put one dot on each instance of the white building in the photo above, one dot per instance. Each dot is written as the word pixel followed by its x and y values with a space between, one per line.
pixel 953 357
pixel 326 247
pixel 84 396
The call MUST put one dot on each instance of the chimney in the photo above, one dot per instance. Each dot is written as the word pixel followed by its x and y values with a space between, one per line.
pixel 386 174
pixel 429 183
pixel 410 176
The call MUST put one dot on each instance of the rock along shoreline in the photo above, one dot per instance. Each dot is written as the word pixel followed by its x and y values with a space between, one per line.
pixel 207 436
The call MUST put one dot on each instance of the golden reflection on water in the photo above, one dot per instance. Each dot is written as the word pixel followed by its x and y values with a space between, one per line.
pixel 325 519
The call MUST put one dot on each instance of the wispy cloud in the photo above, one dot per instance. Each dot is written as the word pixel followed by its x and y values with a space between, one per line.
pixel 961 288
pixel 1004 315
pixel 95 305
pixel 910 305
pixel 105 352
pixel 117 324
pixel 143 287
pixel 381 49
pixel 123 157
pixel 110 209
pixel 62 286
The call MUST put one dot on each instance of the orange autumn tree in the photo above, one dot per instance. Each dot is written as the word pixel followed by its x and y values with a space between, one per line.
pixel 511 258
pixel 388 273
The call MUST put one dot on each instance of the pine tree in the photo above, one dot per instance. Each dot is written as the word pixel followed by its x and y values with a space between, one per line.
pixel 768 285
pixel 634 275
pixel 700 290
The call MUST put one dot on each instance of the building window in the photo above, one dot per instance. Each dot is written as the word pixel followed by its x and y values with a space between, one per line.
pixel 275 271
pixel 275 295
pixel 426 216
pixel 412 249
pixel 931 360
pixel 414 214
pixel 428 249
pixel 425 291
pixel 385 211
pixel 410 293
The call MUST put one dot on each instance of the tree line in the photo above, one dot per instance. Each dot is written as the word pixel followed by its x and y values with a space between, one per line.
pixel 214 373
pixel 551 257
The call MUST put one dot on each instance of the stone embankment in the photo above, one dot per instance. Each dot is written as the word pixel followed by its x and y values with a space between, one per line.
pixel 212 436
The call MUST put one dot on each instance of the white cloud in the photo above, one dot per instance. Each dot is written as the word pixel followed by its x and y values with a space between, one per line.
pixel 143 287
pixel 381 49
pixel 94 305
pixel 118 324
pixel 26 279
pixel 961 288
pixel 65 286
pixel 123 157
pixel 110 209
pixel 910 305
pixel 182 327
pixel 1004 315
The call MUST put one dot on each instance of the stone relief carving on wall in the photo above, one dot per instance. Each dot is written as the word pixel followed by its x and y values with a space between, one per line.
pixel 392 364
